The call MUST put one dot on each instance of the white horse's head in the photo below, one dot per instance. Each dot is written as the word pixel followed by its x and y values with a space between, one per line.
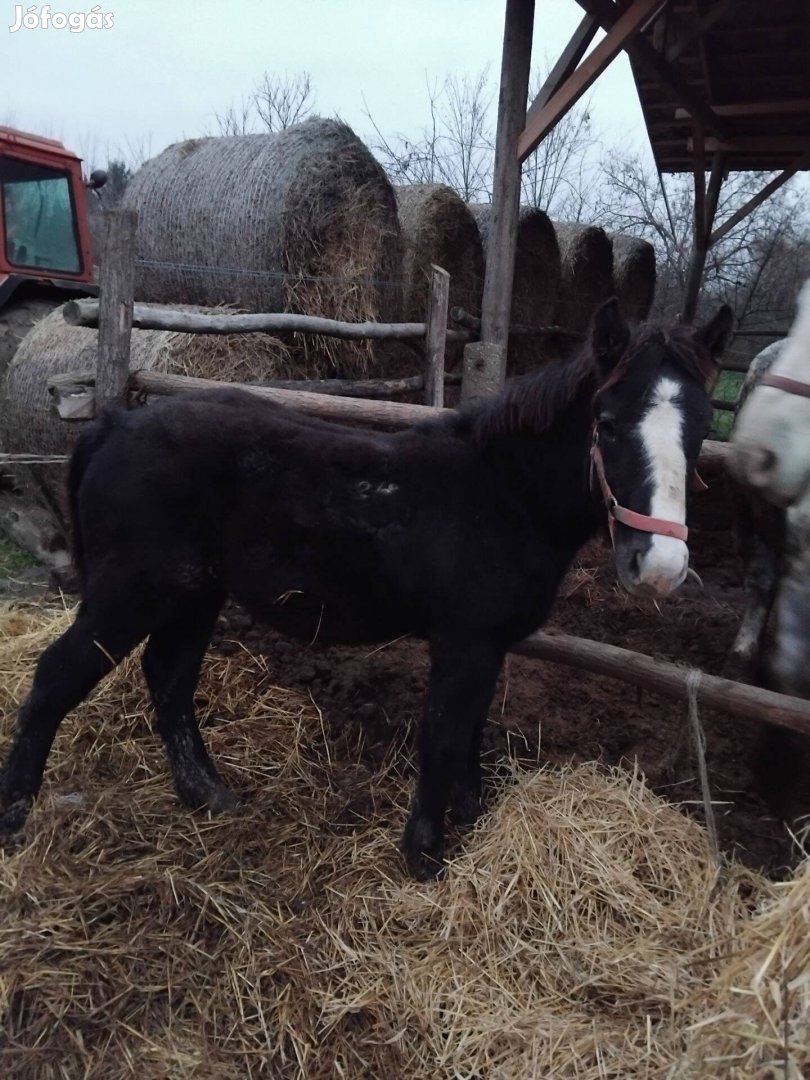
pixel 771 440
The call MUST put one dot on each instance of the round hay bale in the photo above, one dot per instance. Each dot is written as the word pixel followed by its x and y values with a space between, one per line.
pixel 536 286
pixel 634 275
pixel 438 228
pixel 299 220
pixel 586 252
pixel 54 348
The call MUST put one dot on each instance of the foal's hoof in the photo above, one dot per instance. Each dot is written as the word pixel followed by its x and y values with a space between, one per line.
pixel 422 850
pixel 465 809
pixel 13 815
pixel 215 798
pixel 222 800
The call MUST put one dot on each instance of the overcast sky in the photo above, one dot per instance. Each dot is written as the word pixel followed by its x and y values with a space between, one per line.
pixel 165 67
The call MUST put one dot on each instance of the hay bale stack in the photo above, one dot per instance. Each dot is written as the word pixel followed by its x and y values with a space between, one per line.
pixel 438 228
pixel 634 275
pixel 586 252
pixel 306 214
pixel 54 348
pixel 581 932
pixel 536 287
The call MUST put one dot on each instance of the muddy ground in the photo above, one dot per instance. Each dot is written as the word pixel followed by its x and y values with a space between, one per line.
pixel 371 698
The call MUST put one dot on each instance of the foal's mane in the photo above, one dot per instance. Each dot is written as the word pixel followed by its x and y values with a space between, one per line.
pixel 680 345
pixel 533 402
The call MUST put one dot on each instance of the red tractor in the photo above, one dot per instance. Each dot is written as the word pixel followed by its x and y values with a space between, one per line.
pixel 45 249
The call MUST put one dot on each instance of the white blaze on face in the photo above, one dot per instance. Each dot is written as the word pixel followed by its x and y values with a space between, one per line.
pixel 664 563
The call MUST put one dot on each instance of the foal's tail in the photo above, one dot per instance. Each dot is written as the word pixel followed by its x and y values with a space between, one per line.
pixel 87 444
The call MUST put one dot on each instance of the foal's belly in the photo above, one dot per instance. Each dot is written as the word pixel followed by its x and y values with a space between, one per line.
pixel 348 612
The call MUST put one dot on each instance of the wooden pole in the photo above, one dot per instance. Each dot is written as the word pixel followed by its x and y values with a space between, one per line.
pixel 115 306
pixel 87 313
pixel 705 209
pixel 489 374
pixel 662 677
pixel 436 336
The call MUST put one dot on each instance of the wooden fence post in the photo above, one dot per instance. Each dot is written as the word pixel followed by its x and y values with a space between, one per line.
pixel 485 369
pixel 436 336
pixel 116 301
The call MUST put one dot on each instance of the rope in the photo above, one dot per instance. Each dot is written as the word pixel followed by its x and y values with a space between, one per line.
pixel 692 684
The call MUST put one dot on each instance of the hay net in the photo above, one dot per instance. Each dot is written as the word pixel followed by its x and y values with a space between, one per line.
pixel 580 933
pixel 300 220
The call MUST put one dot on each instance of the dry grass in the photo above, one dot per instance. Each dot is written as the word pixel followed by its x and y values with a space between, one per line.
pixel 580 933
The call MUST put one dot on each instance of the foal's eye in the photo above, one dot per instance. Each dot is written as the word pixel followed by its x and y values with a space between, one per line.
pixel 607 429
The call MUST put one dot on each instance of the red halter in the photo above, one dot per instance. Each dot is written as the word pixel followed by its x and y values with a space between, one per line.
pixel 790 386
pixel 633 520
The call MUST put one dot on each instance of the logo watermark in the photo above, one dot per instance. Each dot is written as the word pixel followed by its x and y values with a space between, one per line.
pixel 43 18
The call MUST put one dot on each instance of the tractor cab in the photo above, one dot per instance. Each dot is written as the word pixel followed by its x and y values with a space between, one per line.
pixel 44 231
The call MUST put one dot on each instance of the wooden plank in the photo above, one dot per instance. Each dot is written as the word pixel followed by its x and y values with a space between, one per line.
pixel 642 53
pixel 436 336
pixel 565 66
pixel 115 305
pixel 496 304
pixel 758 199
pixel 663 677
pixel 86 313
pixel 630 23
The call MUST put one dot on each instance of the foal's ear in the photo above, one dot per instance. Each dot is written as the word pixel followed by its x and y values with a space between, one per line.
pixel 716 333
pixel 610 335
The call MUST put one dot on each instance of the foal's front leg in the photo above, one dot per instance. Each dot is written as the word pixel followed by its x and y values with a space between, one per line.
pixel 462 682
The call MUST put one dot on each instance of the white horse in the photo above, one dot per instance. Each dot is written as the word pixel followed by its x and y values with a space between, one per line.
pixel 771 440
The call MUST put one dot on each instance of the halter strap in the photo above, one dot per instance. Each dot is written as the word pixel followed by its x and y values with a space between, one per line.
pixel 782 382
pixel 630 518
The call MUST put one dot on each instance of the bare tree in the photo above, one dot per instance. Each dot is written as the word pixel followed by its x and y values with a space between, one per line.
pixel 277 102
pixel 745 268
pixel 560 176
pixel 284 100
pixel 455 147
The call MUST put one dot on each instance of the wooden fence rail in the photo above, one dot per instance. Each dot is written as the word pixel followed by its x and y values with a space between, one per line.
pixel 668 679
pixel 86 313
pixel 387 415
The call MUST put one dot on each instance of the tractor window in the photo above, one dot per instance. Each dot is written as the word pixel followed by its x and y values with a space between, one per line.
pixel 40 231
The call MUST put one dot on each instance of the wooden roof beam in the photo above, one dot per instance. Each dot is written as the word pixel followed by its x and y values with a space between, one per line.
pixel 566 65
pixel 800 163
pixel 643 53
pixel 755 108
pixel 698 29
pixel 794 145
pixel 637 16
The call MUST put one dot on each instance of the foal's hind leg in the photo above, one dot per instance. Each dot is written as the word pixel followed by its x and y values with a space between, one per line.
pixel 171 664
pixel 65 675
pixel 462 682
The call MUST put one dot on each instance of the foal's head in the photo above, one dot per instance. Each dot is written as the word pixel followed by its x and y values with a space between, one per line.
pixel 651 414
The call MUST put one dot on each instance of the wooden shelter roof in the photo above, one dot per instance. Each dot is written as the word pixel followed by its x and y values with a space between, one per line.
pixel 747 61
